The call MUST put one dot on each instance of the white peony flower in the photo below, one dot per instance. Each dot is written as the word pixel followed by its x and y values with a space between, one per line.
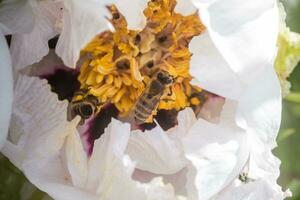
pixel 203 156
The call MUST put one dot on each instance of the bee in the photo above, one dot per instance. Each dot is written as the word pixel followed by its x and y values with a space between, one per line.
pixel 85 107
pixel 244 178
pixel 150 98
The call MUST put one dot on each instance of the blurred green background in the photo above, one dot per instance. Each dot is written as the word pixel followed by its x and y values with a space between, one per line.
pixel 14 186
pixel 288 149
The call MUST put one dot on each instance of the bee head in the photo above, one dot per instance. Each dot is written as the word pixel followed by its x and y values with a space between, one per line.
pixel 85 110
pixel 164 78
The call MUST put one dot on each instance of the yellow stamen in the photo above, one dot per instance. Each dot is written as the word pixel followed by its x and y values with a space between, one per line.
pixel 119 95
pixel 99 91
pixel 135 72
pixel 126 80
pixel 99 78
pixel 109 79
pixel 195 101
pixel 119 65
pixel 118 82
pixel 91 79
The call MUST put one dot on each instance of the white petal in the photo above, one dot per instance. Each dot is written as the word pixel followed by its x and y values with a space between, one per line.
pixel 24 110
pixel 185 7
pixel 262 116
pixel 210 69
pixel 13 153
pixel 108 152
pixel 257 190
pixel 210 167
pixel 6 90
pixel 46 66
pixel 111 171
pixel 16 17
pixel 133 13
pixel 46 16
pixel 224 18
pixel 158 151
pixel 38 151
pixel 157 190
pixel 260 107
pixel 40 111
pixel 155 151
pixel 186 119
pixel 264 167
pixel 212 108
pixel 51 176
pixel 82 21
pixel 259 112
pixel 76 159
pixel 217 153
pixel 244 39
pixel 178 180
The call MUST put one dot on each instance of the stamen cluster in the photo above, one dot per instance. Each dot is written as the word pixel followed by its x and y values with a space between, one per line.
pixel 117 66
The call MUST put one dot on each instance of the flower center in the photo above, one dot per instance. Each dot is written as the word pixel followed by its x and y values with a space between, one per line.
pixel 140 72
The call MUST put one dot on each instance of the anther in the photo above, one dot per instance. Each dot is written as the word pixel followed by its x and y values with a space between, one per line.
pixel 162 39
pixel 138 39
pixel 123 64
pixel 116 16
pixel 150 64
pixel 117 53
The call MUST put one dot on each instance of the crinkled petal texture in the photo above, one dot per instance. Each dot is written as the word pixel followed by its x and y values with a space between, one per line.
pixel 263 113
pixel 258 190
pixel 16 16
pixel 81 22
pixel 212 154
pixel 239 44
pixel 6 89
pixel 48 149
pixel 32 45
pixel 259 112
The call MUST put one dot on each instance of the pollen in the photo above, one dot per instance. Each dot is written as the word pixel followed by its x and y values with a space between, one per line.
pixel 117 66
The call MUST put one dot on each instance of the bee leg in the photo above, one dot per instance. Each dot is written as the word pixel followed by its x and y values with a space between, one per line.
pixel 81 121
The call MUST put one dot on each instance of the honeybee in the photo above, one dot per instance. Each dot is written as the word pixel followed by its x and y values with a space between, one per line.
pixel 150 98
pixel 85 107
pixel 244 178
